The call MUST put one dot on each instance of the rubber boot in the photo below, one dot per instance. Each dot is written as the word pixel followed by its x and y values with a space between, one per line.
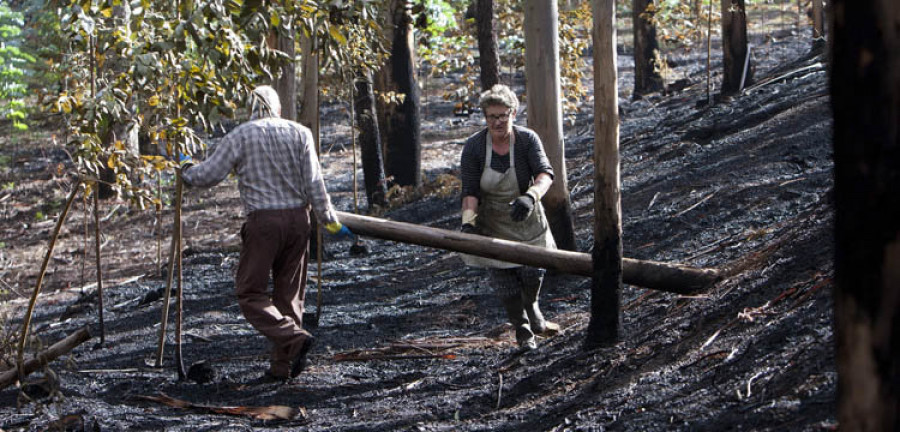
pixel 531 287
pixel 519 320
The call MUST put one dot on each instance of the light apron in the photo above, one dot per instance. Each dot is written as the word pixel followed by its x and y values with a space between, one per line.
pixel 498 190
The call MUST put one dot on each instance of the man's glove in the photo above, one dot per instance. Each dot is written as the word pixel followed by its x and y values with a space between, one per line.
pixel 521 208
pixel 338 230
pixel 468 228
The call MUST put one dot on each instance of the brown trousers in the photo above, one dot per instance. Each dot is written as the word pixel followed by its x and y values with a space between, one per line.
pixel 275 241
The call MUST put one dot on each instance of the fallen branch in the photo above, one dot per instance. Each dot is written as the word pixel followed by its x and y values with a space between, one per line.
pixel 813 67
pixel 364 356
pixel 45 357
pixel 272 412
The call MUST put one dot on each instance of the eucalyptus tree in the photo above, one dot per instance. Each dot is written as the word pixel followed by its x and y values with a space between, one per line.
pixel 545 110
pixel 354 49
pixel 735 48
pixel 647 78
pixel 399 118
pixel 488 50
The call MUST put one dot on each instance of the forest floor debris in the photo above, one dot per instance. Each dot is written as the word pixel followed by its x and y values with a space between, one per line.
pixel 744 185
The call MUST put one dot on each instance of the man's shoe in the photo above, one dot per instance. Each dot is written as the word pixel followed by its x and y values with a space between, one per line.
pixel 299 363
pixel 272 377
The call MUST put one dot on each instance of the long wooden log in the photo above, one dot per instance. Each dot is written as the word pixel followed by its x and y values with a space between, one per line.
pixel 62 347
pixel 660 276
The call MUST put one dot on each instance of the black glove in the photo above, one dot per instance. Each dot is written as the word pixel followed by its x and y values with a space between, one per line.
pixel 521 208
pixel 468 228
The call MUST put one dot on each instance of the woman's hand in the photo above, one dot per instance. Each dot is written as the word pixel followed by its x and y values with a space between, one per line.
pixel 521 208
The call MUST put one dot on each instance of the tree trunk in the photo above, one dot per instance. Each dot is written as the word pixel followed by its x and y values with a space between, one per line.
pixel 399 122
pixel 734 47
pixel 370 142
pixel 606 286
pixel 865 85
pixel 489 54
pixel 286 82
pixel 647 78
pixel 648 274
pixel 697 13
pixel 309 109
pixel 545 110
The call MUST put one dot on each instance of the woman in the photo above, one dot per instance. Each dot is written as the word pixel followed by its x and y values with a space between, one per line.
pixel 505 172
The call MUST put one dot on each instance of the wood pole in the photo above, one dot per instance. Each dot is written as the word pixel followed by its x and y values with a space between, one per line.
pixel 709 97
pixel 20 360
pixel 99 263
pixel 179 303
pixel 660 276
pixel 353 146
pixel 62 347
pixel 159 224
pixel 163 323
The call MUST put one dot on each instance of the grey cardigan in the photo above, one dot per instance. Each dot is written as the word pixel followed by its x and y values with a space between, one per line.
pixel 529 153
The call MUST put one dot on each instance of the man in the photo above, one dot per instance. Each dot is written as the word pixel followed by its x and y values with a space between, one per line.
pixel 279 179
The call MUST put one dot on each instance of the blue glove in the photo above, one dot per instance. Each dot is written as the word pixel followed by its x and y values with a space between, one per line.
pixel 339 230
pixel 344 232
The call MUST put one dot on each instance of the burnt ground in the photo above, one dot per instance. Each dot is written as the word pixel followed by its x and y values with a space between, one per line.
pixel 410 339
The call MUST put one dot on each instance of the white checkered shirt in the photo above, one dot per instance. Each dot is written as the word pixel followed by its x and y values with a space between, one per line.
pixel 276 165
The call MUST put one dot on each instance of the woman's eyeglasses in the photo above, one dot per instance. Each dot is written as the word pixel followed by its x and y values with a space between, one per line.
pixel 491 118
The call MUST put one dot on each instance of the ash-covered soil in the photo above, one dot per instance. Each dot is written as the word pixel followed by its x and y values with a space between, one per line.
pixel 410 339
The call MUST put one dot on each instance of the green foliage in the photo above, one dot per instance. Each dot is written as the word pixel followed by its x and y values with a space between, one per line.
pixel 449 47
pixel 678 25
pixel 574 39
pixel 161 67
pixel 351 42
pixel 13 63
pixel 171 69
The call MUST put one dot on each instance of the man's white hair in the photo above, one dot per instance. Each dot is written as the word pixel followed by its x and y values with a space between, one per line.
pixel 264 102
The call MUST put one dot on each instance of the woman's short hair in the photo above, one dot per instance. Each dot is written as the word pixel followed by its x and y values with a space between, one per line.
pixel 499 94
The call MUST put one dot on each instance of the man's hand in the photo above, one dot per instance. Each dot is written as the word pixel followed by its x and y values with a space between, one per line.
pixel 521 208
pixel 338 230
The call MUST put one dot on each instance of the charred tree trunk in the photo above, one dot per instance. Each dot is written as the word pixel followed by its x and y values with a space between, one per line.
pixel 399 122
pixel 545 111
pixel 489 54
pixel 370 142
pixel 865 85
pixel 606 286
pixel 734 47
pixel 647 78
